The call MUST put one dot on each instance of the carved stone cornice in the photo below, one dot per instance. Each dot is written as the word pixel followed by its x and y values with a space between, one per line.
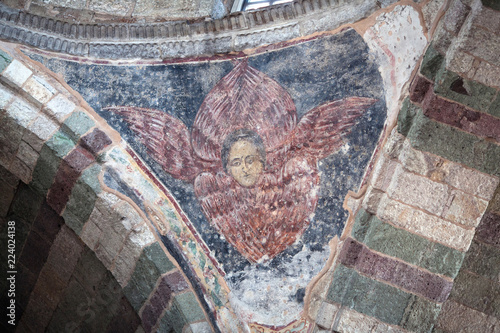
pixel 181 39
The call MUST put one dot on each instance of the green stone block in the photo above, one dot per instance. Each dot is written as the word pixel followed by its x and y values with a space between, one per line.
pixel 189 306
pixel 431 63
pixel 45 170
pixel 72 221
pixel 78 124
pixel 89 270
pixel 483 259
pixel 90 176
pixel 395 242
pixel 475 95
pixel 61 143
pixel 80 205
pixel 172 320
pixel 142 282
pixel 373 298
pixel 105 306
pixel 26 204
pixel 155 253
pixel 361 225
pixel 146 271
pixel 442 260
pixel 454 144
pixel 494 308
pixel 406 115
pixel 420 315
pixel 494 108
pixel 5 60
pixel 383 237
pixel 493 4
pixel 136 294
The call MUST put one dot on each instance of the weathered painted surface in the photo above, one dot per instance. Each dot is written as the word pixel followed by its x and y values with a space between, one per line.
pixel 289 103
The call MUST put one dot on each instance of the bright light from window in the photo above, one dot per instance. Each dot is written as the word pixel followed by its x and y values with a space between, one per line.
pixel 256 4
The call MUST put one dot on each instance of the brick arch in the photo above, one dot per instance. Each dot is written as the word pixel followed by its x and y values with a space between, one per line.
pixel 88 256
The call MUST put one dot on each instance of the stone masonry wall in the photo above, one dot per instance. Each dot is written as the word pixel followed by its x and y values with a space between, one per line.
pixel 421 253
pixel 85 258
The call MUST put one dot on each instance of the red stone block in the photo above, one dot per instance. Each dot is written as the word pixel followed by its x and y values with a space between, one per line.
pixel 350 253
pixel 459 116
pixel 377 266
pixel 60 190
pixel 488 230
pixel 50 286
pixel 423 283
pixel 95 141
pixel 396 272
pixel 176 282
pixel 65 253
pixel 79 158
pixel 419 88
pixel 161 297
pixel 148 318
pixel 48 223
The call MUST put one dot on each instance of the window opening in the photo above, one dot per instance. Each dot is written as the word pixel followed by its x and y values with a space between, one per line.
pixel 244 5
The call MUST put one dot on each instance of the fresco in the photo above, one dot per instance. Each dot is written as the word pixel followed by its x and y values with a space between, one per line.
pixel 259 151
pixel 253 168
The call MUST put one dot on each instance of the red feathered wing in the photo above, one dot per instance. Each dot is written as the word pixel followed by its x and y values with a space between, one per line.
pixel 244 98
pixel 166 138
pixel 320 131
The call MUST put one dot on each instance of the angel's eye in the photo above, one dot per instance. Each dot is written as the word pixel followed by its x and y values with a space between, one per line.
pixel 235 162
pixel 250 159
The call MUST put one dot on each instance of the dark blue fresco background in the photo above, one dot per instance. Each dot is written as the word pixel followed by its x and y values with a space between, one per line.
pixel 312 72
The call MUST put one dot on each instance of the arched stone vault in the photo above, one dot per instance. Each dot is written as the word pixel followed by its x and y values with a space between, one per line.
pixel 58 154
pixel 420 250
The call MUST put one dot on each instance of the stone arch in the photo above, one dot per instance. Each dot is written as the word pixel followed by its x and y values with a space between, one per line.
pixel 89 257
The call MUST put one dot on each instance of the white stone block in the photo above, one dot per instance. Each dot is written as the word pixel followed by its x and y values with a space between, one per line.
pixel 470 181
pixel 22 112
pixel 465 209
pixel 202 327
pixel 43 127
pixel 355 322
pixel 141 235
pixel 16 73
pixel 424 224
pixel 60 106
pixel 39 89
pixel 418 191
pixel 326 314
pixel 5 96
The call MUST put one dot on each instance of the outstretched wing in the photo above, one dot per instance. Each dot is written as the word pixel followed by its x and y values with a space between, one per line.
pixel 320 132
pixel 166 138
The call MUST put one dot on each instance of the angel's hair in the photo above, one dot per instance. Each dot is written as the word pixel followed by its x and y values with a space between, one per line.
pixel 238 135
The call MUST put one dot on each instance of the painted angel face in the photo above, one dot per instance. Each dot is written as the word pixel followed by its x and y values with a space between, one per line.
pixel 244 163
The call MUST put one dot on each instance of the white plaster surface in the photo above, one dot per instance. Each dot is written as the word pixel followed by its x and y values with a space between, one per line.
pixel 397 39
pixel 268 295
